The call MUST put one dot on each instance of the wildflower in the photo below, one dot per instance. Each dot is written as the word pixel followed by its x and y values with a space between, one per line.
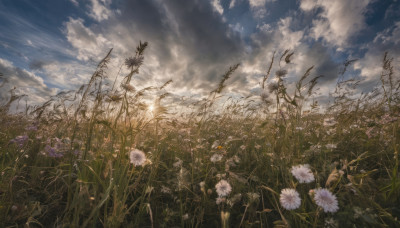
pixel 216 158
pixel 134 61
pixel 215 144
pixel 325 199
pixel 128 87
pixel 202 186
pixel 31 128
pixel 223 188
pixel 20 140
pixel 165 190
pixel 52 152
pixel 273 87
pixel 290 199
pixel 220 200
pixel 281 73
pixel 236 159
pixel 328 122
pixel 302 173
pixel 330 146
pixel 137 157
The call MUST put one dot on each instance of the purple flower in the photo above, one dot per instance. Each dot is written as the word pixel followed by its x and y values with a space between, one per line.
pixel 20 140
pixel 31 128
pixel 76 152
pixel 52 152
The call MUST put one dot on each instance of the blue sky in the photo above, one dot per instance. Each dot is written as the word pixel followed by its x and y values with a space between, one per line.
pixel 47 46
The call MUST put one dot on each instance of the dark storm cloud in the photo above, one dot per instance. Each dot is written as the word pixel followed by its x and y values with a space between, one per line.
pixel 205 45
pixel 319 57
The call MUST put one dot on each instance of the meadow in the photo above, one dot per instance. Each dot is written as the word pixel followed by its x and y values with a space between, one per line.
pixel 103 156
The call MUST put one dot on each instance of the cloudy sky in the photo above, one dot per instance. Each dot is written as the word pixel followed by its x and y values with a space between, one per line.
pixel 47 46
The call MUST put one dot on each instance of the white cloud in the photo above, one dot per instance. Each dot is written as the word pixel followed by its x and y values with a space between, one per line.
pixel 99 10
pixel 288 39
pixel 258 8
pixel 370 66
pixel 308 5
pixel 257 3
pixel 217 6
pixel 75 2
pixel 232 4
pixel 389 35
pixel 25 82
pixel 88 44
pixel 338 21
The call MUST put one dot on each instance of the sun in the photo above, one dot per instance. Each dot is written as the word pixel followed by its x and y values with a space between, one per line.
pixel 151 108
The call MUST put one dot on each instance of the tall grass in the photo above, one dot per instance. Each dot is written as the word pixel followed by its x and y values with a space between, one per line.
pixel 66 163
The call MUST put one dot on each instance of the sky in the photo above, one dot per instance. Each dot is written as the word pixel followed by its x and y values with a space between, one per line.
pixel 49 46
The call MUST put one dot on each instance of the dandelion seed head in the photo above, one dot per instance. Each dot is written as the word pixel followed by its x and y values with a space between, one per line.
pixel 134 61
pixel 137 157
pixel 281 73
pixel 302 173
pixel 273 87
pixel 223 188
pixel 290 199
pixel 325 199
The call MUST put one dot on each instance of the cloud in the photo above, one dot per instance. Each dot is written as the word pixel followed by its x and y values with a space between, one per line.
pixel 370 65
pixel 75 2
pixel 390 35
pixel 195 42
pixel 88 44
pixel 100 10
pixel 217 6
pixel 26 83
pixel 337 21
pixel 37 64
pixel 188 42
pixel 232 4
pixel 258 8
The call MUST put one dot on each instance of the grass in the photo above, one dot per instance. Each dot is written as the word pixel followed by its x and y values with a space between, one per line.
pixel 66 163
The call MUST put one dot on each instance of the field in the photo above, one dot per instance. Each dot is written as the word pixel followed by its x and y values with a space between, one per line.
pixel 104 156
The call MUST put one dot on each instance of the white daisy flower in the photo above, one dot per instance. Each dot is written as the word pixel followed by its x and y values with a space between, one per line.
pixel 223 188
pixel 325 199
pixel 303 174
pixel 137 157
pixel 290 199
pixel 216 158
